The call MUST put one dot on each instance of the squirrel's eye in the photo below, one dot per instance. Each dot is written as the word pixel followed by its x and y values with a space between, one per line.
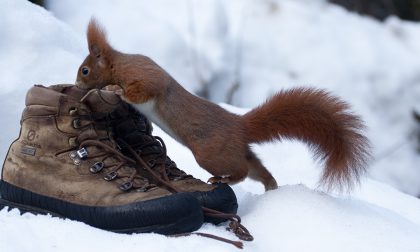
pixel 85 70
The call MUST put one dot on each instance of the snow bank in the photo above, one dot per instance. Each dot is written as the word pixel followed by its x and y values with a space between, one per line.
pixel 269 45
pixel 35 48
pixel 292 218
pixel 159 28
pixel 285 43
pixel 374 66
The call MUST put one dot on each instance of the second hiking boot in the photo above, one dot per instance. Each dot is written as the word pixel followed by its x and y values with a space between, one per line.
pixel 136 130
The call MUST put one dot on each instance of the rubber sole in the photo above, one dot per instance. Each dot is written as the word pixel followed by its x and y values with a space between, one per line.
pixel 180 213
pixel 222 199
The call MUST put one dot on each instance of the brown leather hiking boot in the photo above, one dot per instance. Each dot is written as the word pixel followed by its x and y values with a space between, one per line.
pixel 65 163
pixel 135 130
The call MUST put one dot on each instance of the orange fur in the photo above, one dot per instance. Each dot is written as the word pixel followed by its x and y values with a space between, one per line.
pixel 97 39
pixel 219 139
pixel 320 120
pixel 134 93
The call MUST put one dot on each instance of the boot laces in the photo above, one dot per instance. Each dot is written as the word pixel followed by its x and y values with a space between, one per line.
pixel 164 170
pixel 154 150
pixel 107 159
pixel 235 225
pixel 149 147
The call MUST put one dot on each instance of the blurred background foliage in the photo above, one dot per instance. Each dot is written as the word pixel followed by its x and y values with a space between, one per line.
pixel 39 2
pixel 379 9
pixel 227 63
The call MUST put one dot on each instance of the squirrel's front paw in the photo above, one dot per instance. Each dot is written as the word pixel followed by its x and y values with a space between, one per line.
pixel 115 88
pixel 119 92
pixel 217 179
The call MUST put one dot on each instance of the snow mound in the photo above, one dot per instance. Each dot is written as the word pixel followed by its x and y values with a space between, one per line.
pixel 37 48
pixel 298 219
pixel 292 218
pixel 269 45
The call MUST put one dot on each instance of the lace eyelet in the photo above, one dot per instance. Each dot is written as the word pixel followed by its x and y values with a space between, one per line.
pixel 82 153
pixel 126 186
pixel 111 176
pixel 151 163
pixel 76 123
pixel 73 156
pixel 96 167
pixel 73 111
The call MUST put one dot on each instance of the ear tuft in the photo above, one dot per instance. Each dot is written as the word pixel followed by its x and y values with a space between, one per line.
pixel 97 42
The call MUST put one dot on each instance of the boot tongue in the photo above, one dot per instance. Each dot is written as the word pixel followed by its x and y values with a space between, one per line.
pixel 71 90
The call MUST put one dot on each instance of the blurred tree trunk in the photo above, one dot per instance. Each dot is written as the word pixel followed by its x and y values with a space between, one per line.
pixel 417 118
pixel 381 9
pixel 39 2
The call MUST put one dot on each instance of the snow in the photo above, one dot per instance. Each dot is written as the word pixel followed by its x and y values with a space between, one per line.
pixel 34 48
pixel 277 44
pixel 209 45
pixel 292 218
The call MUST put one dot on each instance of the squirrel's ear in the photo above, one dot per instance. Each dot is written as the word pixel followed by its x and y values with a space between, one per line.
pixel 97 42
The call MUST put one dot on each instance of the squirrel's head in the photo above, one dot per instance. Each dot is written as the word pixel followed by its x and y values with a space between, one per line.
pixel 95 71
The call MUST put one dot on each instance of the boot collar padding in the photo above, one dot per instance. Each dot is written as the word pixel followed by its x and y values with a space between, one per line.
pixel 40 95
pixel 101 101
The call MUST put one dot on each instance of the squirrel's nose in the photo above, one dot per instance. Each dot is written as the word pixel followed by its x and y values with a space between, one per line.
pixel 80 84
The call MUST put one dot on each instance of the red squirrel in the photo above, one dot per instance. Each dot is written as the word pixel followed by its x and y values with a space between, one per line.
pixel 219 139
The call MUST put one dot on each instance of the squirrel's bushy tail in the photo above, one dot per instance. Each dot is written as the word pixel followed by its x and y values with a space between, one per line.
pixel 322 121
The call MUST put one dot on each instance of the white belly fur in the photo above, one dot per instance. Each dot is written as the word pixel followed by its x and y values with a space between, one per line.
pixel 148 109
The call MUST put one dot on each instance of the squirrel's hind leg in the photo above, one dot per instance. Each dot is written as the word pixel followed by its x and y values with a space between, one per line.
pixel 257 171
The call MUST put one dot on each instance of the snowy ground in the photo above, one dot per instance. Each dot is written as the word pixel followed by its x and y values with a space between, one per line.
pixel 277 45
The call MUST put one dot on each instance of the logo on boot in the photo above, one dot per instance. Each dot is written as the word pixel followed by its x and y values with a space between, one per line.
pixel 27 150
pixel 31 135
pixel 30 147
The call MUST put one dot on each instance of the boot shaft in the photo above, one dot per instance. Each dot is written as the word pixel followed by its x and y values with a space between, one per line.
pixel 55 118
